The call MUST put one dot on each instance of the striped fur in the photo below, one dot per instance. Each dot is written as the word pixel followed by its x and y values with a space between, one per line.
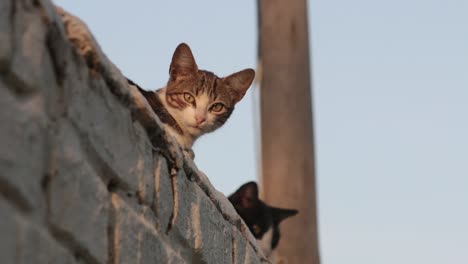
pixel 158 107
pixel 189 103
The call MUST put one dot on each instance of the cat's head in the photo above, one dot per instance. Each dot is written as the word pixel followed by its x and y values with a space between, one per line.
pixel 262 220
pixel 199 100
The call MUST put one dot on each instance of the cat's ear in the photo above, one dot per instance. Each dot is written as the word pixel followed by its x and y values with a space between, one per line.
pixel 183 63
pixel 246 196
pixel 279 214
pixel 239 82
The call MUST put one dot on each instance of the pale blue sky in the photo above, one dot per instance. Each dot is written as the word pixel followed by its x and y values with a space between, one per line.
pixel 390 106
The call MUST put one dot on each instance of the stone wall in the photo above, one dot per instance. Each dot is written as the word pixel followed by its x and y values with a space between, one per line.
pixel 87 175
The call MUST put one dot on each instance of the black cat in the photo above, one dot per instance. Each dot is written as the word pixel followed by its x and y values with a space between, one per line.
pixel 263 220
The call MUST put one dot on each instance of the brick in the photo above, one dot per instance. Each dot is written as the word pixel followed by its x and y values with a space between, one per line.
pixel 145 164
pixel 135 237
pixel 216 239
pixel 107 127
pixel 77 196
pixel 9 231
pixel 251 256
pixel 163 201
pixel 200 224
pixel 176 259
pixel 56 112
pixel 187 196
pixel 6 46
pixel 125 233
pixel 31 65
pixel 37 246
pixel 22 141
pixel 151 248
pixel 244 251
pixel 23 242
pixel 48 9
pixel 239 246
pixel 63 65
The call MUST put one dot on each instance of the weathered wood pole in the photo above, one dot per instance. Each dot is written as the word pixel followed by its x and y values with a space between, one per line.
pixel 287 149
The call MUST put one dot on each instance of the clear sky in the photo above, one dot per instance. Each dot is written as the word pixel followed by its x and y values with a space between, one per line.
pixel 390 94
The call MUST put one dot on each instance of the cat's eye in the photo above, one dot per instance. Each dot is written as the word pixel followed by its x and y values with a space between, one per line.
pixel 218 107
pixel 256 229
pixel 189 98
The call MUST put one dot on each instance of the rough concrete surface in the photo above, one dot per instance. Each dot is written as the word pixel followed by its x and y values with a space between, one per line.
pixel 87 174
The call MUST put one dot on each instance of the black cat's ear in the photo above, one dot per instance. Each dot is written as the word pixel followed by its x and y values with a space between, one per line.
pixel 279 214
pixel 239 82
pixel 183 63
pixel 246 196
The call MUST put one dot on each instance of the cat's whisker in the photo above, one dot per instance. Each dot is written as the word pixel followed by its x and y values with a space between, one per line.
pixel 190 97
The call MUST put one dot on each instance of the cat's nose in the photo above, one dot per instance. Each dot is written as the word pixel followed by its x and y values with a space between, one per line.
pixel 200 119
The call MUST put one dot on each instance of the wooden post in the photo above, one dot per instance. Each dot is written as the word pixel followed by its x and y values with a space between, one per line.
pixel 288 171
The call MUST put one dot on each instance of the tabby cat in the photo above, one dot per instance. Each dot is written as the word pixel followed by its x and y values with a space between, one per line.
pixel 195 102
pixel 262 219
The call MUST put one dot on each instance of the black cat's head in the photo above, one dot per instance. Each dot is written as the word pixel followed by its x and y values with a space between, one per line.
pixel 262 220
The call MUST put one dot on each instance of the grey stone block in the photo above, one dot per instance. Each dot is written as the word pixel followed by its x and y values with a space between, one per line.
pixel 37 246
pixel 239 246
pixel 251 256
pixel 22 140
pixel 135 237
pixel 6 29
pixel 216 239
pixel 64 68
pixel 78 198
pixel 9 231
pixel 125 233
pixel 200 225
pixel 243 250
pixel 95 140
pixel 24 243
pixel 145 167
pixel 152 249
pixel 176 259
pixel 107 127
pixel 163 201
pixel 187 199
pixel 31 66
